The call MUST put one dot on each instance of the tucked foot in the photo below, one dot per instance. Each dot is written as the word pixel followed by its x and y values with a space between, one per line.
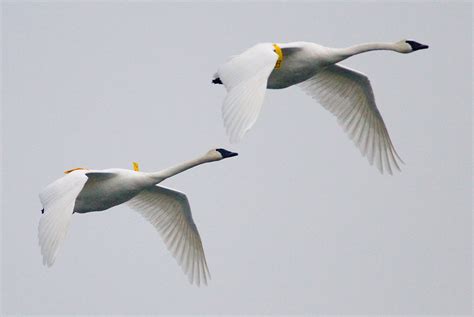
pixel 217 81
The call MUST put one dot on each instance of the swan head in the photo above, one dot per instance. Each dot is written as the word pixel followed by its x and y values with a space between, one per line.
pixel 408 46
pixel 220 154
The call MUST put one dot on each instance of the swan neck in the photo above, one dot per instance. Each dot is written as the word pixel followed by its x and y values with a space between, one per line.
pixel 169 172
pixel 343 53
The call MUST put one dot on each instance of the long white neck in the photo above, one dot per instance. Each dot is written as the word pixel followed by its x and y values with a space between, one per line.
pixel 339 54
pixel 166 173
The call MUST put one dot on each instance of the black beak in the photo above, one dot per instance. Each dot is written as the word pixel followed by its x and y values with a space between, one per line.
pixel 415 46
pixel 226 154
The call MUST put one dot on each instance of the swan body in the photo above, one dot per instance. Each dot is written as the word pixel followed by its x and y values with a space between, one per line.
pixel 83 191
pixel 111 187
pixel 345 92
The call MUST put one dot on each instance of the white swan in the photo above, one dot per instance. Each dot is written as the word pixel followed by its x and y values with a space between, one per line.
pixel 346 93
pixel 82 190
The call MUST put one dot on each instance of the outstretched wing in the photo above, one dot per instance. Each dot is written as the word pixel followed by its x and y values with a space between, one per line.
pixel 169 212
pixel 58 201
pixel 348 95
pixel 245 77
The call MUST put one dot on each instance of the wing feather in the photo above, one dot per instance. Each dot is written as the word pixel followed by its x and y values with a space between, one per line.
pixel 169 212
pixel 245 77
pixel 348 95
pixel 58 201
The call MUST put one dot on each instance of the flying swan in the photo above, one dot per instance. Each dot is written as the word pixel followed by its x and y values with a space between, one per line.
pixel 82 190
pixel 346 93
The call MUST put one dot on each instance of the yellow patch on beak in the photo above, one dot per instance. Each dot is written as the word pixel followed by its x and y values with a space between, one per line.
pixel 135 166
pixel 75 169
pixel 280 56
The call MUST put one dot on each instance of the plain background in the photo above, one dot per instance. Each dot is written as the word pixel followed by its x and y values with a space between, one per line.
pixel 299 222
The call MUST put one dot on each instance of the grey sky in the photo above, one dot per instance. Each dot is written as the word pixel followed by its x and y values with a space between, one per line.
pixel 299 222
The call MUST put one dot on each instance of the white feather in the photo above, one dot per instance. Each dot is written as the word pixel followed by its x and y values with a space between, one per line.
pixel 344 92
pixel 245 77
pixel 58 201
pixel 169 212
pixel 348 95
pixel 83 191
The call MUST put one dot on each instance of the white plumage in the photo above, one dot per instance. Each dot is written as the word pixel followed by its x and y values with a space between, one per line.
pixel 246 78
pixel 346 93
pixel 168 210
pixel 58 201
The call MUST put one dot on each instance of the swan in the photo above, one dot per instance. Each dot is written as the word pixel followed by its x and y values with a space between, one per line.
pixel 82 190
pixel 345 92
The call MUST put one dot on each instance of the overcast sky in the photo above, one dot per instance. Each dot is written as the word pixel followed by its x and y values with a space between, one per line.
pixel 299 222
